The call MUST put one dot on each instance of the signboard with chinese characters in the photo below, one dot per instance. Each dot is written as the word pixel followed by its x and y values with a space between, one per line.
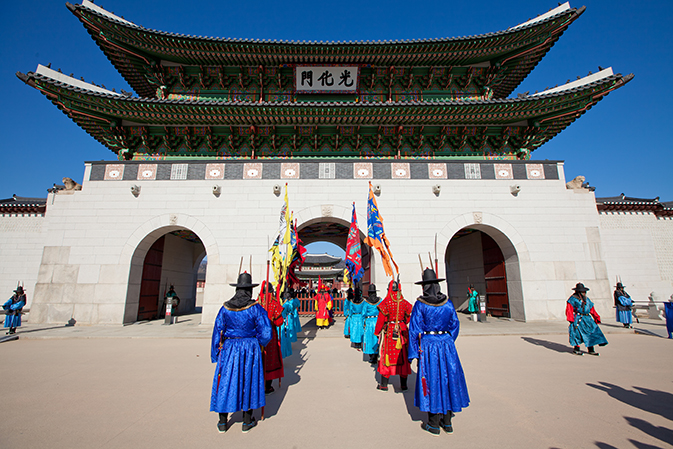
pixel 326 79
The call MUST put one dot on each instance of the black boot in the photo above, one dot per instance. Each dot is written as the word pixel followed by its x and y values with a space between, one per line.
pixel 576 350
pixel 592 351
pixel 373 359
pixel 432 426
pixel 445 423
pixel 383 386
pixel 403 383
pixel 248 421
pixel 268 388
pixel 222 425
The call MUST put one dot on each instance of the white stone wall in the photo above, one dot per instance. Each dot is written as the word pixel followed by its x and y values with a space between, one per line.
pixel 21 243
pixel 97 237
pixel 639 249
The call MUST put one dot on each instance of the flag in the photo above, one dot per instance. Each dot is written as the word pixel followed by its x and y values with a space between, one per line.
pixel 279 248
pixel 376 237
pixel 297 255
pixel 353 271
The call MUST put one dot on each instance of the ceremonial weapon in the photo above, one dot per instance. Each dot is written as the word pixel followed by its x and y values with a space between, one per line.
pixel 436 264
pixel 430 257
pixel 420 262
pixel 240 266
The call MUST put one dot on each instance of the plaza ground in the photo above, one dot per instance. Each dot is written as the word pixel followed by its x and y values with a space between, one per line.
pixel 148 385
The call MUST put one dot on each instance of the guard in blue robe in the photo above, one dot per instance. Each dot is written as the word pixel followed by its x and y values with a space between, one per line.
pixel 356 319
pixel 295 312
pixel 242 328
pixel 286 330
pixel 440 389
pixel 623 303
pixel 370 313
pixel 347 313
pixel 668 310
pixel 584 320
pixel 13 308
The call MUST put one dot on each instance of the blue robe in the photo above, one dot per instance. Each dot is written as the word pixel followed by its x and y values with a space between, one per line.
pixel 347 312
pixel 584 329
pixel 13 318
pixel 440 381
pixel 239 376
pixel 370 342
pixel 356 322
pixel 668 310
pixel 624 316
pixel 288 315
pixel 295 315
pixel 285 333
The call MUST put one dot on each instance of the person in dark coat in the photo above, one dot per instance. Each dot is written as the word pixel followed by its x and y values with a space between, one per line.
pixel 584 321
pixel 13 308
pixel 441 389
pixel 623 305
pixel 242 328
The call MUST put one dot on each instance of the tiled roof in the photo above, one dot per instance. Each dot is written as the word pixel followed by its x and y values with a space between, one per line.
pixel 22 205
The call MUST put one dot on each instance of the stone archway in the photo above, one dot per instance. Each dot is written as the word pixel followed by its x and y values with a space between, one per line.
pixel 169 255
pixel 484 255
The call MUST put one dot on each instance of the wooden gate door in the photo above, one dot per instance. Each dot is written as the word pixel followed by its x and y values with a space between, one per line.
pixel 497 300
pixel 150 284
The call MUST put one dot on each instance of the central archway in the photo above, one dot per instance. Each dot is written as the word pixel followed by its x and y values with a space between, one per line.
pixel 167 256
pixel 484 256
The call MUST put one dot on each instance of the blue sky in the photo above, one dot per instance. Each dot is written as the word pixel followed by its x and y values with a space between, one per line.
pixel 622 145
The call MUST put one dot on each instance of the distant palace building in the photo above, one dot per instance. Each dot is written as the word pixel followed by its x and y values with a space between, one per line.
pixel 217 127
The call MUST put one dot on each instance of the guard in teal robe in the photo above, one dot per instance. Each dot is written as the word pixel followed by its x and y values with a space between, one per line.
pixel 13 308
pixel 370 313
pixel 347 312
pixel 584 320
pixel 623 305
pixel 356 319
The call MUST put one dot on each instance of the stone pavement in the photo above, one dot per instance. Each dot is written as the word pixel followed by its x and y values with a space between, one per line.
pixel 148 385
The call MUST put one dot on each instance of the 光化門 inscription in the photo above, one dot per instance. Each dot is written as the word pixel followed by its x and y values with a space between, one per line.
pixel 326 79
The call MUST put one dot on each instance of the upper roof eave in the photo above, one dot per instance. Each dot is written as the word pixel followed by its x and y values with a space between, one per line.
pixel 105 15
pixel 62 82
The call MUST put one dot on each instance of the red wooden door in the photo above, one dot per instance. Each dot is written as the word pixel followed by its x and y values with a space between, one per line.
pixel 497 300
pixel 149 286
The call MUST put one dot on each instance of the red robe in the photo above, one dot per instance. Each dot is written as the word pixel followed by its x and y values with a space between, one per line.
pixel 394 313
pixel 323 304
pixel 273 360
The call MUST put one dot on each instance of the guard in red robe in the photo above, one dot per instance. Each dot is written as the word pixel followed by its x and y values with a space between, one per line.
pixel 273 360
pixel 391 326
pixel 323 305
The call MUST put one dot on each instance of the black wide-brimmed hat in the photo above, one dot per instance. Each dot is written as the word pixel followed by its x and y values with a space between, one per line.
pixel 429 277
pixel 619 285
pixel 372 288
pixel 580 288
pixel 244 281
pixel 19 290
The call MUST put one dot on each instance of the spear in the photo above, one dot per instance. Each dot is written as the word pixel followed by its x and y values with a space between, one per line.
pixel 436 265
pixel 420 262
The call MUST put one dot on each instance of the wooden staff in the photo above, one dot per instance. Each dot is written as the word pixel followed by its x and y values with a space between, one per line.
pixel 240 266
pixel 420 262
pixel 431 264
pixel 436 264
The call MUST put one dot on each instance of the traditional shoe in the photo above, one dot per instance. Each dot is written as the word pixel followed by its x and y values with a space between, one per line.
pixel 592 353
pixel 448 428
pixel 247 427
pixel 221 427
pixel 431 430
pixel 404 388
pixel 577 352
pixel 269 391
pixel 381 387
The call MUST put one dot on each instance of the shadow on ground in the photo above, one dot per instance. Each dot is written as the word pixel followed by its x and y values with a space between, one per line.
pixel 652 401
pixel 549 345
